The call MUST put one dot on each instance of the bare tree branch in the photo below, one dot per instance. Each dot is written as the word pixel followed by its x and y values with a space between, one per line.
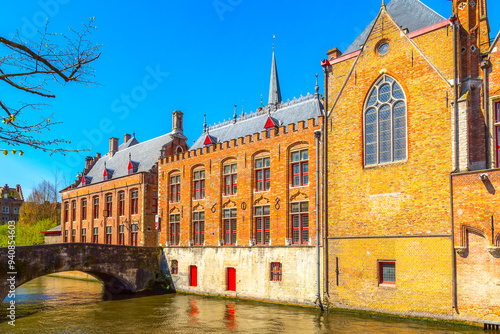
pixel 30 67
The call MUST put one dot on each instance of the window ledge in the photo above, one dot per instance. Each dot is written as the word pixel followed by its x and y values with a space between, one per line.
pixel 399 162
pixel 298 187
pixel 387 285
pixel 232 195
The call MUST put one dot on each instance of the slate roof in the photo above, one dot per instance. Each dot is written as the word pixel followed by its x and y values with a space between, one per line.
pixel 411 14
pixel 144 156
pixel 53 230
pixel 293 111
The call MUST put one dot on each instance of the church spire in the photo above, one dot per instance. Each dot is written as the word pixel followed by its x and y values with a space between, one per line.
pixel 274 87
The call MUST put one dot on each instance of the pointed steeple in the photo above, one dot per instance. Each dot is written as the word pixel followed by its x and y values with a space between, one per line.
pixel 274 87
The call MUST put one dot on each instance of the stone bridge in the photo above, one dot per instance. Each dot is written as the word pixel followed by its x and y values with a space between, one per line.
pixel 121 269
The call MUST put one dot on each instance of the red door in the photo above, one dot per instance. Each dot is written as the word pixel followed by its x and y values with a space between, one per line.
pixel 231 279
pixel 193 275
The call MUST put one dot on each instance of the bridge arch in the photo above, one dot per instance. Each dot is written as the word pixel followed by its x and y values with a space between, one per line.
pixel 121 269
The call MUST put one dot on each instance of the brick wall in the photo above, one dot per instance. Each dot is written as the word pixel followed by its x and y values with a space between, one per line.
pixel 243 152
pixel 144 183
pixel 477 241
pixel 395 211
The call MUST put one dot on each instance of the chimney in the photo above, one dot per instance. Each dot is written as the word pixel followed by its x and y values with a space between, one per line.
pixel 113 146
pixel 177 122
pixel 88 162
pixel 98 156
pixel 126 138
pixel 333 54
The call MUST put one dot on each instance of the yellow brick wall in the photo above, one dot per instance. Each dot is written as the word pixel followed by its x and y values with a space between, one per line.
pixel 423 275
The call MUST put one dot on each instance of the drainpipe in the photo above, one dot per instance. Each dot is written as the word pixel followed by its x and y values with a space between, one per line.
pixel 324 198
pixel 456 164
pixel 453 253
pixel 455 87
pixel 485 65
pixel 317 135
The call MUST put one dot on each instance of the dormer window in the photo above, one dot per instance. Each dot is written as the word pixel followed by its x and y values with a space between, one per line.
pixel 105 175
pixel 210 140
pixel 130 168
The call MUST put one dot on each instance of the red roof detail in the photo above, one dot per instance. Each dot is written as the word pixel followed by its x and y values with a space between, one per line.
pixel 325 62
pixel 83 180
pixel 208 140
pixel 269 123
pixel 130 164
pixel 105 172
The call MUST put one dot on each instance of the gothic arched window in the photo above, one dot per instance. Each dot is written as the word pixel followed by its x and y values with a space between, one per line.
pixel 385 123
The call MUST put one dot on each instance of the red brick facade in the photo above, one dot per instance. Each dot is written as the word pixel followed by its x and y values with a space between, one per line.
pixel 243 152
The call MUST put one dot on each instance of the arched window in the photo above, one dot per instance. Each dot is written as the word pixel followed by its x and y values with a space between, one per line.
pixel 385 123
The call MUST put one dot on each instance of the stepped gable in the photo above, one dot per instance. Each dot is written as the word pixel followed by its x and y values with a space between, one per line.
pixel 411 14
pixel 144 156
pixel 290 112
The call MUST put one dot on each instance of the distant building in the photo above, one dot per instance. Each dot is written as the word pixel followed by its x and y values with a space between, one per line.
pixel 53 236
pixel 115 199
pixel 10 203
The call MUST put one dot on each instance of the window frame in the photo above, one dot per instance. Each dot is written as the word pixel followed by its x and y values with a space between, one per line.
pixel 276 272
pixel 496 126
pixel 73 235
pixel 377 107
pixel 199 184
pixel 154 203
pixel 381 278
pixel 73 211
pixel 300 214
pixel 109 235
pixel 121 203
pixel 199 228
pixel 83 235
pixel 134 202
pixel 175 229
pixel 95 235
pixel 263 231
pixel 301 163
pixel 175 188
pixel 109 205
pixel 95 207
pixel 174 267
pixel 84 209
pixel 263 182
pixel 134 234
pixel 230 178
pixel 121 234
pixel 66 211
pixel 230 226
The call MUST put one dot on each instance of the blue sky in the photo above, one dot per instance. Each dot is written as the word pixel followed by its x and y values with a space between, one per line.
pixel 207 56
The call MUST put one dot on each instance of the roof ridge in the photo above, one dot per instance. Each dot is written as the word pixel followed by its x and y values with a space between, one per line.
pixel 139 144
pixel 264 110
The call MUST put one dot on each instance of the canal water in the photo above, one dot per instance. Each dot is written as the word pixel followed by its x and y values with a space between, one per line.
pixel 59 305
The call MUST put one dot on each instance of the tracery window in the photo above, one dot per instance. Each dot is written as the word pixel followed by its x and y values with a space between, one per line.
pixel 385 123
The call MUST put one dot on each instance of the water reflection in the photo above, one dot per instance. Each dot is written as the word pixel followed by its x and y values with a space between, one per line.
pixel 55 305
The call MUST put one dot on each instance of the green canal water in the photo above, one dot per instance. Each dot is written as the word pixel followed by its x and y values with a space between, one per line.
pixel 58 305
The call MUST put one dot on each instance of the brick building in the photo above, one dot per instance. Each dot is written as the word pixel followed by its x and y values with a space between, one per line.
pixel 476 210
pixel 115 199
pixel 404 128
pixel 238 209
pixel 10 203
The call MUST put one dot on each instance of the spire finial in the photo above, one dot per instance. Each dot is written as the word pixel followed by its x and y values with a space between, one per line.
pixel 274 36
pixel 317 86
pixel 383 4
pixel 274 87
pixel 133 134
pixel 261 102
pixel 235 115
pixel 204 123
pixel 130 156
